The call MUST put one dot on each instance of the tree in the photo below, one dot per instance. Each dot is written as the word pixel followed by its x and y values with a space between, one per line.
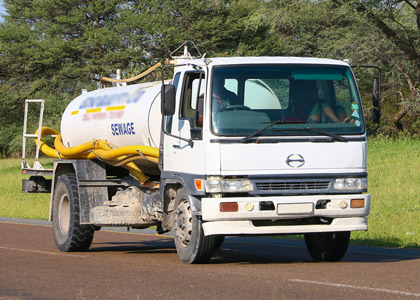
pixel 399 22
pixel 52 49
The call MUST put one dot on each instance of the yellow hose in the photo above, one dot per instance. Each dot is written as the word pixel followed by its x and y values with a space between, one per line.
pixel 141 75
pixel 135 158
pixel 123 156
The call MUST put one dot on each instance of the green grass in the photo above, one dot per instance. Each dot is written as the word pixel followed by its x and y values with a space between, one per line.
pixel 14 203
pixel 394 185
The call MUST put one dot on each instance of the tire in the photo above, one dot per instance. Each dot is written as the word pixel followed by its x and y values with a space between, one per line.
pixel 219 241
pixel 69 235
pixel 192 246
pixel 327 246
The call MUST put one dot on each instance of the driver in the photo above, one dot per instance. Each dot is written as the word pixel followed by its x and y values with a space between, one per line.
pixel 325 113
pixel 221 96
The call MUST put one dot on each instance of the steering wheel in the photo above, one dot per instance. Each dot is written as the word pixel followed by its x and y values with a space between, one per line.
pixel 349 119
pixel 237 107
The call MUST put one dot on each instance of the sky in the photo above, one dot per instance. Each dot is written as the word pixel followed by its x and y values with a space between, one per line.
pixel 2 11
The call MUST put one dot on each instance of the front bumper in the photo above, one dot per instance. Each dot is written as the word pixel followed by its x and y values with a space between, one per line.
pixel 342 217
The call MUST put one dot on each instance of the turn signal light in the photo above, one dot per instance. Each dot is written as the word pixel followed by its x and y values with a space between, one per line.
pixel 199 184
pixel 229 206
pixel 357 203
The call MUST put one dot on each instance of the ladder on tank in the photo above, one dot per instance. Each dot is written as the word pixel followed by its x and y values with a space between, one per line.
pixel 37 168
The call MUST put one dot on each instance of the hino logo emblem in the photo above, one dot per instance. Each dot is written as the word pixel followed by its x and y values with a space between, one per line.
pixel 295 160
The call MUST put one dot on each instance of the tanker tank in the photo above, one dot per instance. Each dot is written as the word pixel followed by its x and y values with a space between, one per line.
pixel 123 116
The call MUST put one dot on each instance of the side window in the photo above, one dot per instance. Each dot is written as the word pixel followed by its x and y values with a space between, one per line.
pixel 197 91
pixel 192 98
pixel 169 118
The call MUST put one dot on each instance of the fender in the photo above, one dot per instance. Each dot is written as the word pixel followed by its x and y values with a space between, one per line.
pixel 87 171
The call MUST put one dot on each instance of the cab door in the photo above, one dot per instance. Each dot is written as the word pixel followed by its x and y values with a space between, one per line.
pixel 183 149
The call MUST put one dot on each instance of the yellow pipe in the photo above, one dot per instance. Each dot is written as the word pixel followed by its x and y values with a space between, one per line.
pixel 127 150
pixel 135 158
pixel 148 71
pixel 103 150
pixel 58 144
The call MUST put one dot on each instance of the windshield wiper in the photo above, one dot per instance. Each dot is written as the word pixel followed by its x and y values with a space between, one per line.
pixel 335 137
pixel 259 131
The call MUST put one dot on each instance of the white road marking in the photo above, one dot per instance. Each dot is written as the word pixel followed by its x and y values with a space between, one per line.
pixel 357 287
pixel 41 252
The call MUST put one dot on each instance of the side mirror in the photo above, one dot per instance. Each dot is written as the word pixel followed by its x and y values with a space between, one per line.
pixel 376 115
pixel 376 92
pixel 168 100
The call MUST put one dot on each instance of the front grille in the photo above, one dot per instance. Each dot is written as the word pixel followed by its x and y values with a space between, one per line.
pixel 292 185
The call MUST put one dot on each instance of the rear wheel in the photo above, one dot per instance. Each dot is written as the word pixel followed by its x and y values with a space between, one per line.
pixel 327 246
pixel 192 246
pixel 69 234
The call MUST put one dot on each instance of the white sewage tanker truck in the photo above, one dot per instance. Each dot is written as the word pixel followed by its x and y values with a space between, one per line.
pixel 228 147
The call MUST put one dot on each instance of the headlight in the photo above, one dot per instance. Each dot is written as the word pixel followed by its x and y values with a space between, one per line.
pixel 228 186
pixel 351 184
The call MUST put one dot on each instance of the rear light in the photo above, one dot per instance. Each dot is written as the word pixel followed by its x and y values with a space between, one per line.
pixel 229 206
pixel 357 203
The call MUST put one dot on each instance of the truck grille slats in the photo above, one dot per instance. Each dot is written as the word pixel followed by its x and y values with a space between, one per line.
pixel 292 186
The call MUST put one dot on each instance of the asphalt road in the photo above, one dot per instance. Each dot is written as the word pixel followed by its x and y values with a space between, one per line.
pixel 121 265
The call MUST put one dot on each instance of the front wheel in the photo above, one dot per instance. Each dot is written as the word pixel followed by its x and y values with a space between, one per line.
pixel 219 239
pixel 69 234
pixel 192 246
pixel 327 246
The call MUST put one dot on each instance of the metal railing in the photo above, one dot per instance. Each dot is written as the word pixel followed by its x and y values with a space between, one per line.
pixel 37 168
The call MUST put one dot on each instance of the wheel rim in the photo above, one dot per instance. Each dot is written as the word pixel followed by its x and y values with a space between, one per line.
pixel 64 214
pixel 183 223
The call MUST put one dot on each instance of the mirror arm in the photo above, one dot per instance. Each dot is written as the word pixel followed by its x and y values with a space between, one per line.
pixel 189 141
pixel 369 67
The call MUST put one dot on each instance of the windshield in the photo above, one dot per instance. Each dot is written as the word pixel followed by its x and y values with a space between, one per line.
pixel 246 99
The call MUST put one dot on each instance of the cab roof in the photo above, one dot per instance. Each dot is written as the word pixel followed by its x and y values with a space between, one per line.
pixel 264 60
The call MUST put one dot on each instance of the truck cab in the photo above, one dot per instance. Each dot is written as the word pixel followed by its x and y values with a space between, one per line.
pixel 271 145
